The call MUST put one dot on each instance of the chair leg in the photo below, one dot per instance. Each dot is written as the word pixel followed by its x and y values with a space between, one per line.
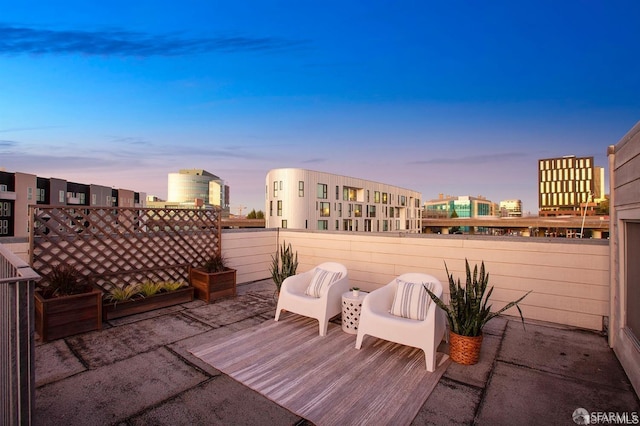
pixel 359 339
pixel 430 361
pixel 278 314
pixel 324 325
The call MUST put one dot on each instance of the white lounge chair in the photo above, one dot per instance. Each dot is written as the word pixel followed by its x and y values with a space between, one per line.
pixel 377 320
pixel 327 301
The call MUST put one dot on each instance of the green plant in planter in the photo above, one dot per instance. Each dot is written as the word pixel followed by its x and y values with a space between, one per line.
pixel 172 285
pixel 120 294
pixel 149 288
pixel 65 280
pixel 215 263
pixel 469 311
pixel 284 264
pixel 66 304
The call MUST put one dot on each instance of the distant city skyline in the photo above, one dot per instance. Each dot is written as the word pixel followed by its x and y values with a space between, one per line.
pixel 459 98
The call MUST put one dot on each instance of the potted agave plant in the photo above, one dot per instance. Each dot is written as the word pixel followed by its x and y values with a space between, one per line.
pixel 469 312
pixel 284 264
pixel 213 279
pixel 66 303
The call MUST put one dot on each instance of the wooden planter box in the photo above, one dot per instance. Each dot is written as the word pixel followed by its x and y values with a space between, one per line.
pixel 210 286
pixel 65 316
pixel 112 310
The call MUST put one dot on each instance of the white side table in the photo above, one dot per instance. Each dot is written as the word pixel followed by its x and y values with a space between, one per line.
pixel 351 306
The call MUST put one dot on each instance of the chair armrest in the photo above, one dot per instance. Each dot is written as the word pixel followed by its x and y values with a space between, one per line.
pixel 298 283
pixel 380 300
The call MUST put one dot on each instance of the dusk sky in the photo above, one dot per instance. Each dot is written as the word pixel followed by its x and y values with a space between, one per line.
pixel 453 97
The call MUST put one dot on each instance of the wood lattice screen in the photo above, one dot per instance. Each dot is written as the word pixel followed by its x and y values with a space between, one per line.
pixel 117 246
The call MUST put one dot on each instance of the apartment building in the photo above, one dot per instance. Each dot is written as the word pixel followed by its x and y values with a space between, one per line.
pixel 20 190
pixel 306 199
pixel 569 185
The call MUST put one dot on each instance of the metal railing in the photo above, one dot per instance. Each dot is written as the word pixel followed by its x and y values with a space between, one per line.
pixel 17 375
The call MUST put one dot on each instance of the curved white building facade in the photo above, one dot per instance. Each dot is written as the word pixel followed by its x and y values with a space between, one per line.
pixel 306 199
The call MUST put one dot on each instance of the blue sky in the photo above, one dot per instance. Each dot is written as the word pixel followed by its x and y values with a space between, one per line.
pixel 455 97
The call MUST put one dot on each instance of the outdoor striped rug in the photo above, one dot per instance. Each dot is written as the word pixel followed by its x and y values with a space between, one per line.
pixel 325 379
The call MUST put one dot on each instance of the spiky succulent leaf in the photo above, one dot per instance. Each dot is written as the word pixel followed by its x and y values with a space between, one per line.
pixel 284 264
pixel 469 309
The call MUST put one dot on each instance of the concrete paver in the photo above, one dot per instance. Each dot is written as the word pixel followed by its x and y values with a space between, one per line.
pixel 518 396
pixel 219 401
pixel 112 393
pixel 104 347
pixel 578 354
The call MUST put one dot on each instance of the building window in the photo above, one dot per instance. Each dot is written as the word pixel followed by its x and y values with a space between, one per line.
pixel 337 192
pixel 5 209
pixel 349 194
pixel 358 210
pixel 325 209
pixel 337 225
pixel 385 225
pixel 40 195
pixel 371 211
pixel 403 200
pixel 368 196
pixel 322 191
pixel 275 188
pixel 339 209
pixel 384 198
pixel 280 185
pixel 93 199
pixel 284 223
pixel 376 197
pixel 270 208
pixel 300 188
pixel 323 225
pixel 348 224
pixel 29 193
pixel 279 207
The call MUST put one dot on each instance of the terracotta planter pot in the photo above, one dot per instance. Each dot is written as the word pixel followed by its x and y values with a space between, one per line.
pixel 112 310
pixel 464 349
pixel 65 316
pixel 210 286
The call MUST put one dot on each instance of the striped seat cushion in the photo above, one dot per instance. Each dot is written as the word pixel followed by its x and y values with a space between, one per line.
pixel 321 280
pixel 411 300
